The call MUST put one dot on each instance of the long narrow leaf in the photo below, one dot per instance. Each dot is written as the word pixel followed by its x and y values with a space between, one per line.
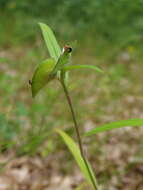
pixel 115 125
pixel 71 67
pixel 77 155
pixel 51 42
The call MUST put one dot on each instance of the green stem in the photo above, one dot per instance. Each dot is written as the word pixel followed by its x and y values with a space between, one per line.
pixel 78 133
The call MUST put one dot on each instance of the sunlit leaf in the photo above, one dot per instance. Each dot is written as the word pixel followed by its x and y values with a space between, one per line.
pixel 77 155
pixel 71 67
pixel 42 75
pixel 51 42
pixel 115 125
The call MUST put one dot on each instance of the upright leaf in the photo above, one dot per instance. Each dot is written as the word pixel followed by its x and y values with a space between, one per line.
pixel 115 125
pixel 42 75
pixel 77 155
pixel 51 42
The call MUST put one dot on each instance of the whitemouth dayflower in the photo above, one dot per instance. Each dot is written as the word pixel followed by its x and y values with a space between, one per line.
pixel 55 67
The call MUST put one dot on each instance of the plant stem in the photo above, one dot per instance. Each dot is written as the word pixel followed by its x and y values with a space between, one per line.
pixel 78 133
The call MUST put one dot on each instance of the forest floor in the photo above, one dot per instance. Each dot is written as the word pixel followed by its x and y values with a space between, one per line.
pixel 46 164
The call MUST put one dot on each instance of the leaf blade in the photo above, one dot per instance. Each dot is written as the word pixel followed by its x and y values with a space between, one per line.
pixel 77 156
pixel 42 76
pixel 51 42
pixel 71 67
pixel 115 125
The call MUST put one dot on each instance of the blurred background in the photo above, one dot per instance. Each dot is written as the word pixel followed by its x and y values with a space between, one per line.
pixel 108 34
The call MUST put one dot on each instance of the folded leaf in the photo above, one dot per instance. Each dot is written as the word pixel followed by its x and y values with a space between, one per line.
pixel 71 67
pixel 77 155
pixel 63 60
pixel 115 125
pixel 51 42
pixel 42 75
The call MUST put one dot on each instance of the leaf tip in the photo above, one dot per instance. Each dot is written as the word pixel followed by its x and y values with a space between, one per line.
pixel 40 23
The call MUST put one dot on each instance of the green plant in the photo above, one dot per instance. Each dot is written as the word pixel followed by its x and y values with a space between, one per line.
pixel 57 67
pixel 115 125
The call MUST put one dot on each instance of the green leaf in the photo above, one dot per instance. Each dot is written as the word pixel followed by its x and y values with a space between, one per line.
pixel 51 42
pixel 71 67
pixel 42 75
pixel 63 60
pixel 115 125
pixel 77 155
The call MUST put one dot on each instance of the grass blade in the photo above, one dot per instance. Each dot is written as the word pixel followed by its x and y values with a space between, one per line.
pixel 76 154
pixel 71 67
pixel 51 42
pixel 115 125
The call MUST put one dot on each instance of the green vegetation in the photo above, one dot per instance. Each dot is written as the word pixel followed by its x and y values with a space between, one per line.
pixel 104 22
pixel 107 34
pixel 54 68
pixel 115 125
